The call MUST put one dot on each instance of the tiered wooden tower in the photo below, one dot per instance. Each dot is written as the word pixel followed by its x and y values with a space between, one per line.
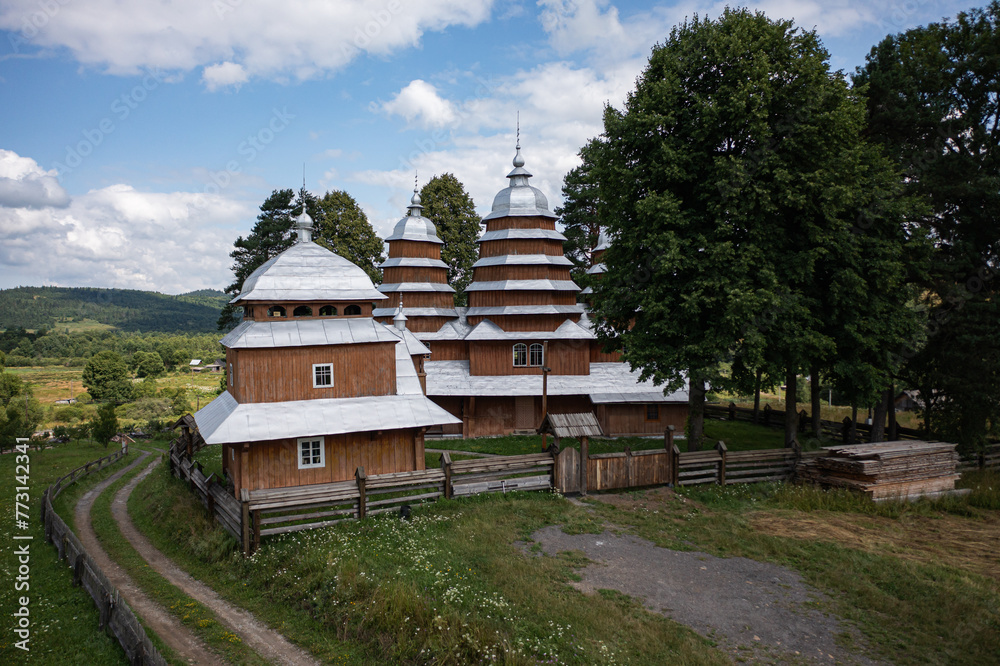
pixel 521 281
pixel 414 277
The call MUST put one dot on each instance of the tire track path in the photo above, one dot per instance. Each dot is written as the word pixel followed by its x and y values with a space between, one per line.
pixel 269 644
pixel 169 629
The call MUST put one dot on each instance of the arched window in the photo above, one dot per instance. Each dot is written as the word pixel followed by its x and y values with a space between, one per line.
pixel 520 355
pixel 328 311
pixel 352 310
pixel 276 311
pixel 536 355
pixel 303 311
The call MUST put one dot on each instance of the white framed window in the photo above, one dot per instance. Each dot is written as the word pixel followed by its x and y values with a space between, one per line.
pixel 322 375
pixel 536 355
pixel 311 452
pixel 520 355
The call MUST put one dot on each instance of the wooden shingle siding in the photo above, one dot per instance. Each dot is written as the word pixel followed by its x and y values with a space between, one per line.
pixel 448 350
pixel 497 358
pixel 522 272
pixel 489 299
pixel 499 248
pixel 416 249
pixel 520 222
pixel 276 375
pixel 414 274
pixel 631 419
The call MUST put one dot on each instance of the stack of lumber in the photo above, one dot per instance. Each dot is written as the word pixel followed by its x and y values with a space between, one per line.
pixel 885 470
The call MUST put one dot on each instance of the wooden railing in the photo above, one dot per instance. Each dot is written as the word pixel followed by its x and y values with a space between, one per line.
pixel 115 614
pixel 775 418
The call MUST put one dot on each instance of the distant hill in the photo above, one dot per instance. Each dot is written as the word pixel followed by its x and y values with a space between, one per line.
pixel 125 309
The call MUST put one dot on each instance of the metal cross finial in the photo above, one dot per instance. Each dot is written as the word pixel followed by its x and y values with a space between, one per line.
pixel 518 129
pixel 416 179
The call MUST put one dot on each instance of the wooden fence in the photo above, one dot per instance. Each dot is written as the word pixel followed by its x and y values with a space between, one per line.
pixel 776 419
pixel 115 614
pixel 259 513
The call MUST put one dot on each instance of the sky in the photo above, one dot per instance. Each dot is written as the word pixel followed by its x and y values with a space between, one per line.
pixel 139 137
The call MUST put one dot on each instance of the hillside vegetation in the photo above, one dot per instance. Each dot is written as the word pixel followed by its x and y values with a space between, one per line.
pixel 125 309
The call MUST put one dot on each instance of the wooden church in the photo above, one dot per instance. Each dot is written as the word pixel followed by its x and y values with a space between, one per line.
pixel 316 386
pixel 523 317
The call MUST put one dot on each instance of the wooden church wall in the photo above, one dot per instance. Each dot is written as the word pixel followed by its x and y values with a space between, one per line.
pixel 499 248
pixel 274 464
pixel 448 350
pixel 414 274
pixel 497 358
pixel 631 419
pixel 276 375
pixel 521 222
pixel 418 249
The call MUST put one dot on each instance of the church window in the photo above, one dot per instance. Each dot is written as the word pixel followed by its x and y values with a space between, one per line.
pixel 276 311
pixel 520 355
pixel 352 310
pixel 303 311
pixel 311 452
pixel 322 375
pixel 536 355
pixel 328 311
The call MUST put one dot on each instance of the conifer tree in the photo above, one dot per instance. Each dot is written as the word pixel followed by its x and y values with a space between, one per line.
pixel 450 208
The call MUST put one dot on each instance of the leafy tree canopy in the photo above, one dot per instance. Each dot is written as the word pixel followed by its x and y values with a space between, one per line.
pixel 579 212
pixel 147 364
pixel 341 226
pixel 933 106
pixel 105 425
pixel 731 184
pixel 106 378
pixel 451 209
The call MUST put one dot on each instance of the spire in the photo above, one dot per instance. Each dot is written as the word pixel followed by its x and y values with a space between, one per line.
pixel 519 175
pixel 399 321
pixel 415 208
pixel 303 223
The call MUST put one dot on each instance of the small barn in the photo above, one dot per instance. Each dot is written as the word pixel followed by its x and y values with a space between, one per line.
pixel 317 387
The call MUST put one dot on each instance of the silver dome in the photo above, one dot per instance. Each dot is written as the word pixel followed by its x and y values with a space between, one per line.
pixel 415 227
pixel 519 198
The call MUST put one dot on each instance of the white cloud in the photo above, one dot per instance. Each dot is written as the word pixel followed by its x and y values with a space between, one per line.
pixel 120 237
pixel 224 75
pixel 24 184
pixel 268 38
pixel 419 101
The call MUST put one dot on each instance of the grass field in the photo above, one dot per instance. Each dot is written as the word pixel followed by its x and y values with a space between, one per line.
pixel 64 620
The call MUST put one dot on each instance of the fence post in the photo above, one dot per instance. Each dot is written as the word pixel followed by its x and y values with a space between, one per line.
pixel 553 451
pixel 845 430
pixel 584 455
pixel 767 415
pixel 721 448
pixel 256 530
pixel 732 411
pixel 360 477
pixel 675 464
pixel 803 420
pixel 245 526
pixel 446 466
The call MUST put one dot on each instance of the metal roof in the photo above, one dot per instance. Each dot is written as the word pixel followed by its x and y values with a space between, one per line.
pixel 414 226
pixel 413 262
pixel 597 269
pixel 487 330
pixel 415 286
pixel 452 330
pixel 524 259
pixel 603 243
pixel 499 310
pixel 519 198
pixel 407 382
pixel 224 421
pixel 607 382
pixel 523 285
pixel 308 272
pixel 521 234
pixel 586 290
pixel 413 346
pixel 306 332
pixel 416 312
pixel 584 424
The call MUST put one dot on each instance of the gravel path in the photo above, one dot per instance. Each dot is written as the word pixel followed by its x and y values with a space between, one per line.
pixel 756 611
pixel 178 637
pixel 268 643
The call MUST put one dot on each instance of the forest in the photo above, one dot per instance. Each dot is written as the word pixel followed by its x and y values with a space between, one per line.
pixel 124 309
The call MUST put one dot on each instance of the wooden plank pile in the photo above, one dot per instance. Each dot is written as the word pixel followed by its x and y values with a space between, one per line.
pixel 904 470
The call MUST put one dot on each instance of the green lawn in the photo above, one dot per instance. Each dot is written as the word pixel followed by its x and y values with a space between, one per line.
pixel 64 620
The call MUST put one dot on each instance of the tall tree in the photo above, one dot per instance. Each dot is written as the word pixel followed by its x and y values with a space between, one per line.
pixel 933 105
pixel 268 238
pixel 341 226
pixel 106 378
pixel 578 214
pixel 450 208
pixel 730 184
pixel 105 424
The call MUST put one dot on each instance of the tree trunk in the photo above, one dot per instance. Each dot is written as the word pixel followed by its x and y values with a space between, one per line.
pixel 890 406
pixel 696 401
pixel 814 396
pixel 756 395
pixel 878 416
pixel 854 423
pixel 791 411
